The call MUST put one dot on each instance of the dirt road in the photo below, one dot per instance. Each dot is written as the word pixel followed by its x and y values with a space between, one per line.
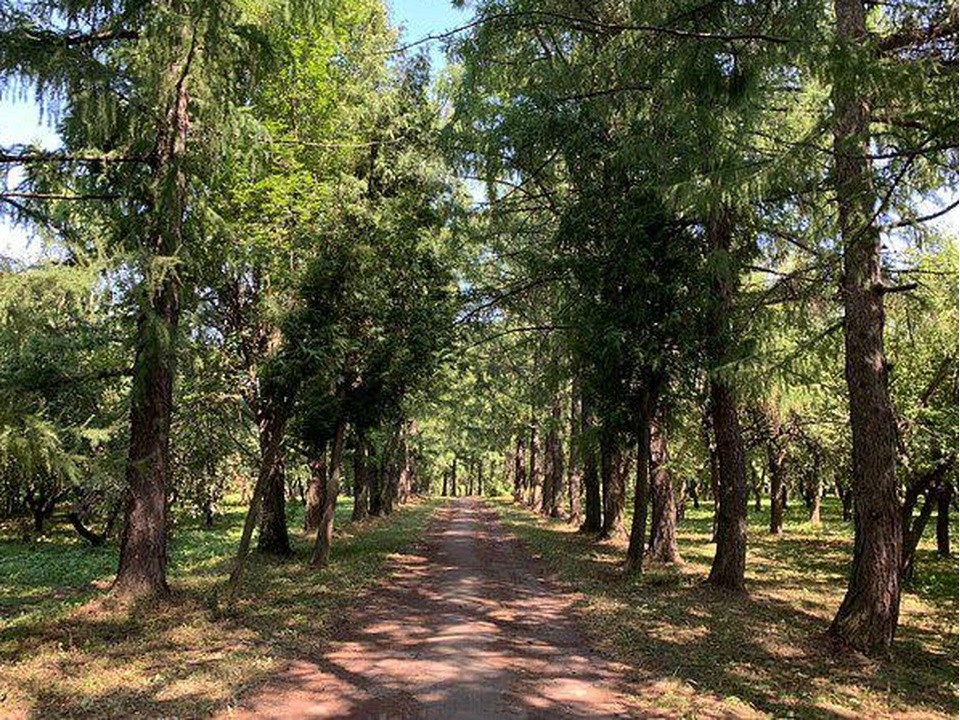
pixel 467 629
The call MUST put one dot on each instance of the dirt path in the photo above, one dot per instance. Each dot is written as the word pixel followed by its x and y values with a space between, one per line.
pixel 467 630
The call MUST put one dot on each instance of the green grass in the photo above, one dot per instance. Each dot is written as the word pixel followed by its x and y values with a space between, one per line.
pixel 700 652
pixel 66 651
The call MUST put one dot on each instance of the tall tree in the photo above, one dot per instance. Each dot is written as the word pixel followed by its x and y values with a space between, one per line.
pixel 867 618
pixel 154 86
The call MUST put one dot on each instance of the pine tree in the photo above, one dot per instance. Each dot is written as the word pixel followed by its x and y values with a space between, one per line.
pixel 148 100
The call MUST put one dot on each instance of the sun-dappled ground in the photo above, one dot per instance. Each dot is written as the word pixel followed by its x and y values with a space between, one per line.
pixel 65 652
pixel 705 652
pixel 692 651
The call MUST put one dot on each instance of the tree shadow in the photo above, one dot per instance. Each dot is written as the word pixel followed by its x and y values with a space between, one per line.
pixel 178 659
pixel 768 647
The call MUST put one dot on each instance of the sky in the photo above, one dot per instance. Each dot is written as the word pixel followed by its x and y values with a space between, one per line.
pixel 420 18
pixel 21 121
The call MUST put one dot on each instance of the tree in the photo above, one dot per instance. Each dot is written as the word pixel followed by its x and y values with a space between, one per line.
pixel 137 82
pixel 867 618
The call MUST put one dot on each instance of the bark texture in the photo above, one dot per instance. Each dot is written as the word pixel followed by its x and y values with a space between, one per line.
pixel 143 544
pixel 613 484
pixel 641 493
pixel 553 477
pixel 729 562
pixel 776 459
pixel 313 511
pixel 520 469
pixel 944 499
pixel 272 424
pixel 575 466
pixel 663 516
pixel 535 478
pixel 324 541
pixel 361 481
pixel 592 501
pixel 868 616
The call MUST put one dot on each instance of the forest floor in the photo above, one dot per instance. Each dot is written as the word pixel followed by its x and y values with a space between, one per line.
pixel 466 609
pixel 67 651
pixel 467 627
pixel 702 652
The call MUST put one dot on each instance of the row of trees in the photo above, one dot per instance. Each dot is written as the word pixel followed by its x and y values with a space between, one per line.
pixel 249 221
pixel 698 232
pixel 700 217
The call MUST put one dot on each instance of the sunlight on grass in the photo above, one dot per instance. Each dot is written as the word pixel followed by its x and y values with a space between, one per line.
pixel 711 653
pixel 64 656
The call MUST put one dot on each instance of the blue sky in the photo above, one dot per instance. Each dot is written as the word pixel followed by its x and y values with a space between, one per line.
pixel 420 18
pixel 21 123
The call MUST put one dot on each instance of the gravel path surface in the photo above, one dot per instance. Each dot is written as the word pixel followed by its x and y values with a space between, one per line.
pixel 467 629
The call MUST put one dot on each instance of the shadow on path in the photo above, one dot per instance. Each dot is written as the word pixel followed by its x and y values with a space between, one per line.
pixel 465 630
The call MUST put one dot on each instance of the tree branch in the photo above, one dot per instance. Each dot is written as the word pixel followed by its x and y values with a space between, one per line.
pixel 56 196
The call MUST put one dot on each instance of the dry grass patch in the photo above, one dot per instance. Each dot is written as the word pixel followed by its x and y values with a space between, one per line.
pixel 705 652
pixel 178 659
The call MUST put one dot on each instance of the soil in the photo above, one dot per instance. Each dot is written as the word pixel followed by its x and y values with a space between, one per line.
pixel 468 627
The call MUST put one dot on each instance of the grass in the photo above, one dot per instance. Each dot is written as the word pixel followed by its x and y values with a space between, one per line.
pixel 66 651
pixel 700 652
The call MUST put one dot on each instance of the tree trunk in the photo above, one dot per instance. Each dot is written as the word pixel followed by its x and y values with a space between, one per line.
pixel 663 525
pixel 361 484
pixel 553 479
pixel 729 562
pixel 815 507
pixel 776 455
pixel 758 483
pixel 453 478
pixel 271 425
pixel 317 463
pixel 868 615
pixel 243 550
pixel 944 499
pixel 913 531
pixel 520 469
pixel 405 487
pixel 706 431
pixel 38 518
pixel 612 484
pixel 929 486
pixel 265 478
pixel 143 544
pixel 378 474
pixel 816 490
pixel 574 466
pixel 321 548
pixel 535 478
pixel 377 483
pixel 83 531
pixel 592 500
pixel 95 539
pixel 846 503
pixel 394 464
pixel 641 494
pixel 593 504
